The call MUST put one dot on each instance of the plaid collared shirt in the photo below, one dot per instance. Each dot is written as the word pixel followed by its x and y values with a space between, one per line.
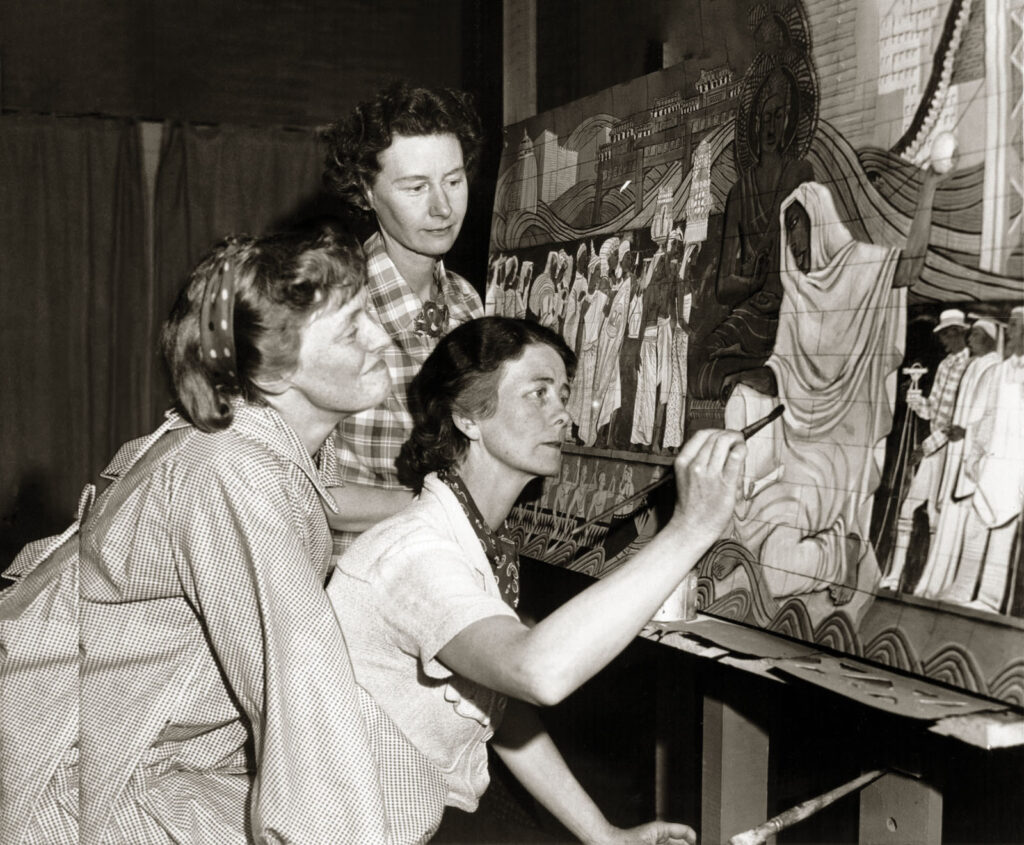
pixel 941 401
pixel 368 442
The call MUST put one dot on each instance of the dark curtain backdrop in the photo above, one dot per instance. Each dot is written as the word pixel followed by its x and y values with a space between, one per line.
pixel 216 181
pixel 74 305
pixel 80 311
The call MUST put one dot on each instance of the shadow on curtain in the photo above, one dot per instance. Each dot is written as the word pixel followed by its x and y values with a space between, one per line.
pixel 80 313
pixel 74 305
pixel 216 181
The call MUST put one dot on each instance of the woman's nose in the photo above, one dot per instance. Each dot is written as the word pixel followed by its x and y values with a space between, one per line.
pixel 562 414
pixel 439 204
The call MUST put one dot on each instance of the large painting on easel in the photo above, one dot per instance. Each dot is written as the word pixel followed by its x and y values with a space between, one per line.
pixel 826 216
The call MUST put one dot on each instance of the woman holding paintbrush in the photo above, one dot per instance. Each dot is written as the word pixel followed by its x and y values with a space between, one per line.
pixel 427 599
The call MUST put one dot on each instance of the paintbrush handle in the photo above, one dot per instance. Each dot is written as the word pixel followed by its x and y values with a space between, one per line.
pixel 749 431
pixel 759 834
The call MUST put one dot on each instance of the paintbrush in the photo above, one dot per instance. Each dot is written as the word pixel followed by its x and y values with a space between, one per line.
pixel 747 432
pixel 758 835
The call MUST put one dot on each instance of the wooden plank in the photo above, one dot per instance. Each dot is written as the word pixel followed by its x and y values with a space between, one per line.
pixel 1001 729
pixel 980 722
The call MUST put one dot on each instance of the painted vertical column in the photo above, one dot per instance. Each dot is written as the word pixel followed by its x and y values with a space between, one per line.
pixel 1004 160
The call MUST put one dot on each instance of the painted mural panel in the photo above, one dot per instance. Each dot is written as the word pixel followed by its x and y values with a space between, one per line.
pixel 824 214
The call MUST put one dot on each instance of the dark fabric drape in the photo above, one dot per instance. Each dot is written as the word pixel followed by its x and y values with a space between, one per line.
pixel 74 306
pixel 216 181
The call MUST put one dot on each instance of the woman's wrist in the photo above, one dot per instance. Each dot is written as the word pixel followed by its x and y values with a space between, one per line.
pixel 603 833
pixel 688 531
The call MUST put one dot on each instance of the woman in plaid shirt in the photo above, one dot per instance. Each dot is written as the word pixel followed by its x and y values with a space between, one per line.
pixel 403 160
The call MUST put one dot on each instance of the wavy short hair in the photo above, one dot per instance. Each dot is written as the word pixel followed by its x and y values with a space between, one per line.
pixel 355 142
pixel 461 376
pixel 281 281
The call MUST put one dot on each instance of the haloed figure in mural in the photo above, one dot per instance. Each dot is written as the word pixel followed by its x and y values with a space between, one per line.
pixel 510 295
pixel 808 497
pixel 495 284
pixel 591 308
pixel 771 137
pixel 577 289
pixel 608 379
pixel 675 406
pixel 546 301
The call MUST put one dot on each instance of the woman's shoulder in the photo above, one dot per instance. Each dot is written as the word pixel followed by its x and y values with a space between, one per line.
pixel 421 531
pixel 423 520
pixel 187 459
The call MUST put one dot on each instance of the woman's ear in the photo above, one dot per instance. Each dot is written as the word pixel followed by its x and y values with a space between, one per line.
pixel 366 197
pixel 467 426
pixel 272 385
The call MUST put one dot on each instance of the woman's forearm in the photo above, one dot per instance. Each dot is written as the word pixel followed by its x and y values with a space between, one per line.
pixel 545 663
pixel 532 757
pixel 361 506
pixel 573 643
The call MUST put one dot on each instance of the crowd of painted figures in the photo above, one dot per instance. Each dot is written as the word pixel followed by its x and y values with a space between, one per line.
pixel 626 318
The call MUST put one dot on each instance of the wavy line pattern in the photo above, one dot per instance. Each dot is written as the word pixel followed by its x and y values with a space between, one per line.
pixel 892 648
pixel 837 633
pixel 952 663
pixel 955 665
pixel 793 621
pixel 1008 685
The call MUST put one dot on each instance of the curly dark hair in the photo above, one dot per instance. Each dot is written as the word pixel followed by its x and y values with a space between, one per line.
pixel 280 281
pixel 354 142
pixel 461 376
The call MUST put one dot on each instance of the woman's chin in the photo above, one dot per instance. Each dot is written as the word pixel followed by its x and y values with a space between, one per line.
pixel 553 468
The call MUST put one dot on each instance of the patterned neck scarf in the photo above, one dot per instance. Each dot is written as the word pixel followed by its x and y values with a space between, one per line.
pixel 432 320
pixel 499 548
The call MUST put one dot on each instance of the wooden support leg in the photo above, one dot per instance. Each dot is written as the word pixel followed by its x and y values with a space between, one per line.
pixel 734 781
pixel 664 743
pixel 900 810
pixel 676 742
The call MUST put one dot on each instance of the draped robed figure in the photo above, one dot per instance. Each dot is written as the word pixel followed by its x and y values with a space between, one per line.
pixel 809 484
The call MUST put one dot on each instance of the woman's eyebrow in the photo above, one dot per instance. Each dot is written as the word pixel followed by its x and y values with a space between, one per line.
pixel 422 177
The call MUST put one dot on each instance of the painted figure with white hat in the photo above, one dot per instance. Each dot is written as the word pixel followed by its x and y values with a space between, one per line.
pixel 947 575
pixel 928 459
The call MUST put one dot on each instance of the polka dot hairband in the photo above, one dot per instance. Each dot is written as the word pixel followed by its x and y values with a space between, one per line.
pixel 216 326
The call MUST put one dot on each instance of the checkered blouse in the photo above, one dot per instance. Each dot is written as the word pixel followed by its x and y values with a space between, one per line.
pixel 218 703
